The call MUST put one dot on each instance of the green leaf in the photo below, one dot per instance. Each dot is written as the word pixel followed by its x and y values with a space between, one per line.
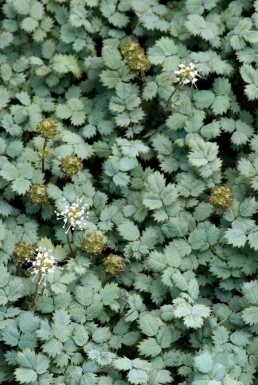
pixel 248 207
pixel 66 63
pixel 4 97
pixel 236 237
pixel 203 362
pixel 80 335
pixel 248 73
pixel 123 364
pixel 198 239
pixel 204 99
pixel 154 186
pixel 148 325
pixel 53 347
pixel 193 315
pixel 28 322
pixel 250 315
pixel 149 347
pixel 9 171
pixel 112 57
pixel 161 377
pixel 21 185
pixel 25 376
pixel 220 335
pixel 11 336
pixel 84 295
pixel 129 231
pixel 240 338
pixel 221 104
pixel 253 240
pixel 150 90
pixel 157 261
pixel 250 291
pixel 137 377
pixel 109 293
pixel 24 98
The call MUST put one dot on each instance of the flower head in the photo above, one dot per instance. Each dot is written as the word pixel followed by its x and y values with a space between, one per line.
pixel 135 57
pixel 43 263
pixel 37 195
pixel 114 264
pixel 47 128
pixel 187 73
pixel 23 251
pixel 221 197
pixel 94 244
pixel 70 165
pixel 73 215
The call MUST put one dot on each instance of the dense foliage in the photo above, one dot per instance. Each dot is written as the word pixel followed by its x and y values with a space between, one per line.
pixel 128 177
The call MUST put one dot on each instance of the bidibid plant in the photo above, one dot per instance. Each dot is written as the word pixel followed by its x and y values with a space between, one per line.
pixel 129 180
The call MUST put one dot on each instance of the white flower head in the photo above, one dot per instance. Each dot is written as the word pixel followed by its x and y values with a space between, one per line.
pixel 43 263
pixel 73 215
pixel 187 73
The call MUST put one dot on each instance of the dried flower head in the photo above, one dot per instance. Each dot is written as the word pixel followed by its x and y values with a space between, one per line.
pixel 37 195
pixel 114 264
pixel 73 215
pixel 23 251
pixel 93 244
pixel 43 263
pixel 135 57
pixel 187 73
pixel 47 128
pixel 71 164
pixel 221 197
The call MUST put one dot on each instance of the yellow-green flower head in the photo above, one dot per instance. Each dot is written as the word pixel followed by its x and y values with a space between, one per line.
pixel 221 197
pixel 37 195
pixel 23 251
pixel 93 244
pixel 114 264
pixel 73 215
pixel 47 128
pixel 187 73
pixel 135 57
pixel 43 262
pixel 70 165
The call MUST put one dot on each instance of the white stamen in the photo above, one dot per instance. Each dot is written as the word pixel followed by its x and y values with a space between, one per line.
pixel 73 215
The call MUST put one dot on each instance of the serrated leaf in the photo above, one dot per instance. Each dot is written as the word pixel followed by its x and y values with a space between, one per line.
pixel 112 58
pixel 148 325
pixel 250 315
pixel 137 377
pixel 236 237
pixel 149 347
pixel 203 362
pixel 80 335
pixel 123 363
pixel 66 63
pixel 25 375
pixel 253 240
pixel 129 231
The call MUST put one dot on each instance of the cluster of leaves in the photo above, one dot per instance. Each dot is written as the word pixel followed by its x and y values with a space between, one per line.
pixel 178 300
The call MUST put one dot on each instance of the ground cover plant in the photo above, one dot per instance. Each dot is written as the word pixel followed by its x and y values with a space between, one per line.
pixel 129 179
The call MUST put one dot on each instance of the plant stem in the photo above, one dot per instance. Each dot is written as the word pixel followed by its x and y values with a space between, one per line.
pixel 69 244
pixel 221 322
pixel 36 291
pixel 43 158
pixel 171 96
